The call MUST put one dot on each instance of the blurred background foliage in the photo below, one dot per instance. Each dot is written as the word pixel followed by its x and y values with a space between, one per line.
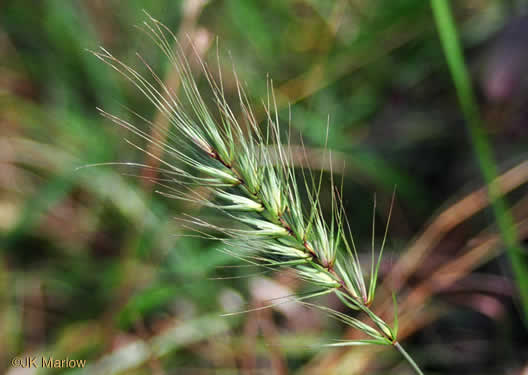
pixel 93 264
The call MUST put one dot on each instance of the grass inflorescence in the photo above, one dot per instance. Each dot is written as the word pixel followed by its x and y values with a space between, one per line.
pixel 250 177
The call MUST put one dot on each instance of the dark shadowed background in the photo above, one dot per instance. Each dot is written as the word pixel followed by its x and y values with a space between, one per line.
pixel 93 264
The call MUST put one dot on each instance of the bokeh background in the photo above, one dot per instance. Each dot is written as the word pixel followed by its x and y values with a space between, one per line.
pixel 93 264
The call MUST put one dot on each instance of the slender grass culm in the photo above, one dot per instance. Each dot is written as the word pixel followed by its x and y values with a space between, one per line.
pixel 250 177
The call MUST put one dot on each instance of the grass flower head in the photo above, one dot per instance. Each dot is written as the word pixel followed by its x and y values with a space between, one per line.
pixel 250 177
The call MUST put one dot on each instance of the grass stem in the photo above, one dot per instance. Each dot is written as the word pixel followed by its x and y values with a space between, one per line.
pixel 408 358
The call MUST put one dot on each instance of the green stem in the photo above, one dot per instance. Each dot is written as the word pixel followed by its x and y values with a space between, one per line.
pixel 408 358
pixel 481 146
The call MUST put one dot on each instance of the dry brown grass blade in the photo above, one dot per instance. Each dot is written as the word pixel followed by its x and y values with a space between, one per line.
pixel 486 246
pixel 447 221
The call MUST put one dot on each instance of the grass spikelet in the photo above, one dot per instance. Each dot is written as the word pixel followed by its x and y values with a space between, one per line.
pixel 255 187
